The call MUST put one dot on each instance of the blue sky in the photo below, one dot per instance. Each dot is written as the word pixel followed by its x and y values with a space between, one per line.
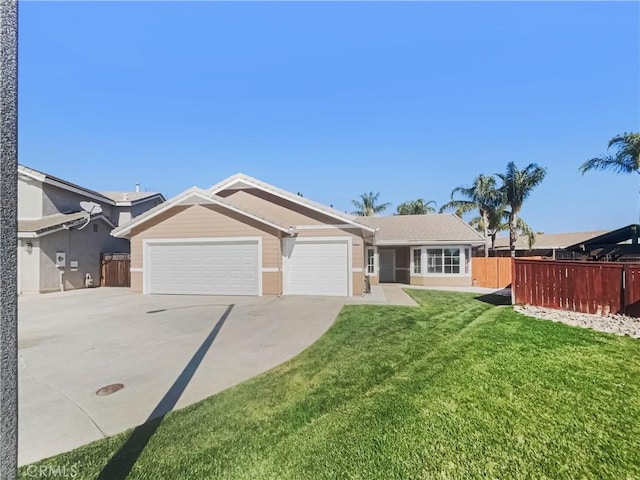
pixel 335 99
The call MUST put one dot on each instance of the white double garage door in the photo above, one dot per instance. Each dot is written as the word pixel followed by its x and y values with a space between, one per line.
pixel 311 266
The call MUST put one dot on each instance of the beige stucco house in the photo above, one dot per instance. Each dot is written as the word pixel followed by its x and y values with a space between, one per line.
pixel 245 237
pixel 58 243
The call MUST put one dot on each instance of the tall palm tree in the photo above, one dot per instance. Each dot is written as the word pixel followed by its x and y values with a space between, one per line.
pixel 482 195
pixel 517 185
pixel 625 160
pixel 496 222
pixel 416 207
pixel 368 205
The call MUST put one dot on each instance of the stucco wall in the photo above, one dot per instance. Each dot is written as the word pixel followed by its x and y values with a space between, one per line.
pixel 84 246
pixel 29 198
pixel 28 266
pixel 124 215
pixel 57 200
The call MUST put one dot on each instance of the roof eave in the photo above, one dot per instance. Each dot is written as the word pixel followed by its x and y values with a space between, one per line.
pixel 251 182
pixel 428 242
pixel 125 230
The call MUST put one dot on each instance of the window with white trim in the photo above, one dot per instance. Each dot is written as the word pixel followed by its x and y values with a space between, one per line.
pixel 371 261
pixel 443 260
pixel 467 260
pixel 417 261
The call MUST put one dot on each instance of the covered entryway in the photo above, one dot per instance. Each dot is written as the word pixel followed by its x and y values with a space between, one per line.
pixel 317 266
pixel 387 259
pixel 203 267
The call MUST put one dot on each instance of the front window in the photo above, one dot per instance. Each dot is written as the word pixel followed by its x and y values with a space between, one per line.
pixel 443 260
pixel 371 261
pixel 417 261
pixel 434 260
pixel 451 260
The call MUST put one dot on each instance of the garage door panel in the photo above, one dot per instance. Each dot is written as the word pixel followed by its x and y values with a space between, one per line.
pixel 318 268
pixel 208 268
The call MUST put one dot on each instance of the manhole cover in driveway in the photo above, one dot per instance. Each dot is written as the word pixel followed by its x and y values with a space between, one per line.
pixel 109 389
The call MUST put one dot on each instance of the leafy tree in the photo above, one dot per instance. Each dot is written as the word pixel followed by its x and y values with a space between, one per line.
pixel 625 160
pixel 484 196
pixel 517 185
pixel 416 207
pixel 368 205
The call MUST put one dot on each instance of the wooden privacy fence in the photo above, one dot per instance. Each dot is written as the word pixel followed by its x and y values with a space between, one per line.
pixel 116 270
pixel 588 287
pixel 491 272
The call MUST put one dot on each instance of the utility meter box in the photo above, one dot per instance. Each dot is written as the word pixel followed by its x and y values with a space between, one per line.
pixel 61 259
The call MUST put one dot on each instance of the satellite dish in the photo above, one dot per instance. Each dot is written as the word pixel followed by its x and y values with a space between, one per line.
pixel 91 207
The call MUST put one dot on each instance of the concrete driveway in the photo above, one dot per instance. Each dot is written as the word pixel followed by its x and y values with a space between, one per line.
pixel 168 351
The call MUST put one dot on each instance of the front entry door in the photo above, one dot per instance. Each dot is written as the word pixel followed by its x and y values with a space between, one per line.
pixel 387 259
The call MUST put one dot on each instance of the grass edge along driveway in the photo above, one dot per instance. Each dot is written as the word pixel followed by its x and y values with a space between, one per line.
pixel 457 388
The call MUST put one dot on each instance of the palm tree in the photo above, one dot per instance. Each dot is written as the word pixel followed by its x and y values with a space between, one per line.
pixel 517 185
pixel 416 207
pixel 496 222
pixel 625 160
pixel 483 196
pixel 368 205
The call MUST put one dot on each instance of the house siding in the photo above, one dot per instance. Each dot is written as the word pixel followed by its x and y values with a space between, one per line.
pixel 200 221
pixel 271 283
pixel 280 210
pixel 461 281
pixel 83 246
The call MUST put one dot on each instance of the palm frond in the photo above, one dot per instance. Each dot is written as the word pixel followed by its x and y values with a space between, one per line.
pixel 608 162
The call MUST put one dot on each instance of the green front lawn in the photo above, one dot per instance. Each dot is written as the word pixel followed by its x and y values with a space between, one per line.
pixel 458 388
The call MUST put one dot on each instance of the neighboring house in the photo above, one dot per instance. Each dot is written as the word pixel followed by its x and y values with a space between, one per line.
pixel 245 237
pixel 620 245
pixel 55 250
pixel 551 245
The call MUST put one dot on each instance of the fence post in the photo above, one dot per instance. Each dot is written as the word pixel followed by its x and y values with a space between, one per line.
pixel 513 281
pixel 625 288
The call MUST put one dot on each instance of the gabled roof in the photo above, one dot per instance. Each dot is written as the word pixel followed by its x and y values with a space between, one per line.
pixel 52 223
pixel 445 228
pixel 243 181
pixel 548 240
pixel 110 198
pixel 121 198
pixel 58 182
pixel 192 196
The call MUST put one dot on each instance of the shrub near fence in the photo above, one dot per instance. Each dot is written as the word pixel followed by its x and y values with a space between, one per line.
pixel 588 287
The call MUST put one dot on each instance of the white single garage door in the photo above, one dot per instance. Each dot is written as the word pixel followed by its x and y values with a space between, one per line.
pixel 317 267
pixel 203 268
